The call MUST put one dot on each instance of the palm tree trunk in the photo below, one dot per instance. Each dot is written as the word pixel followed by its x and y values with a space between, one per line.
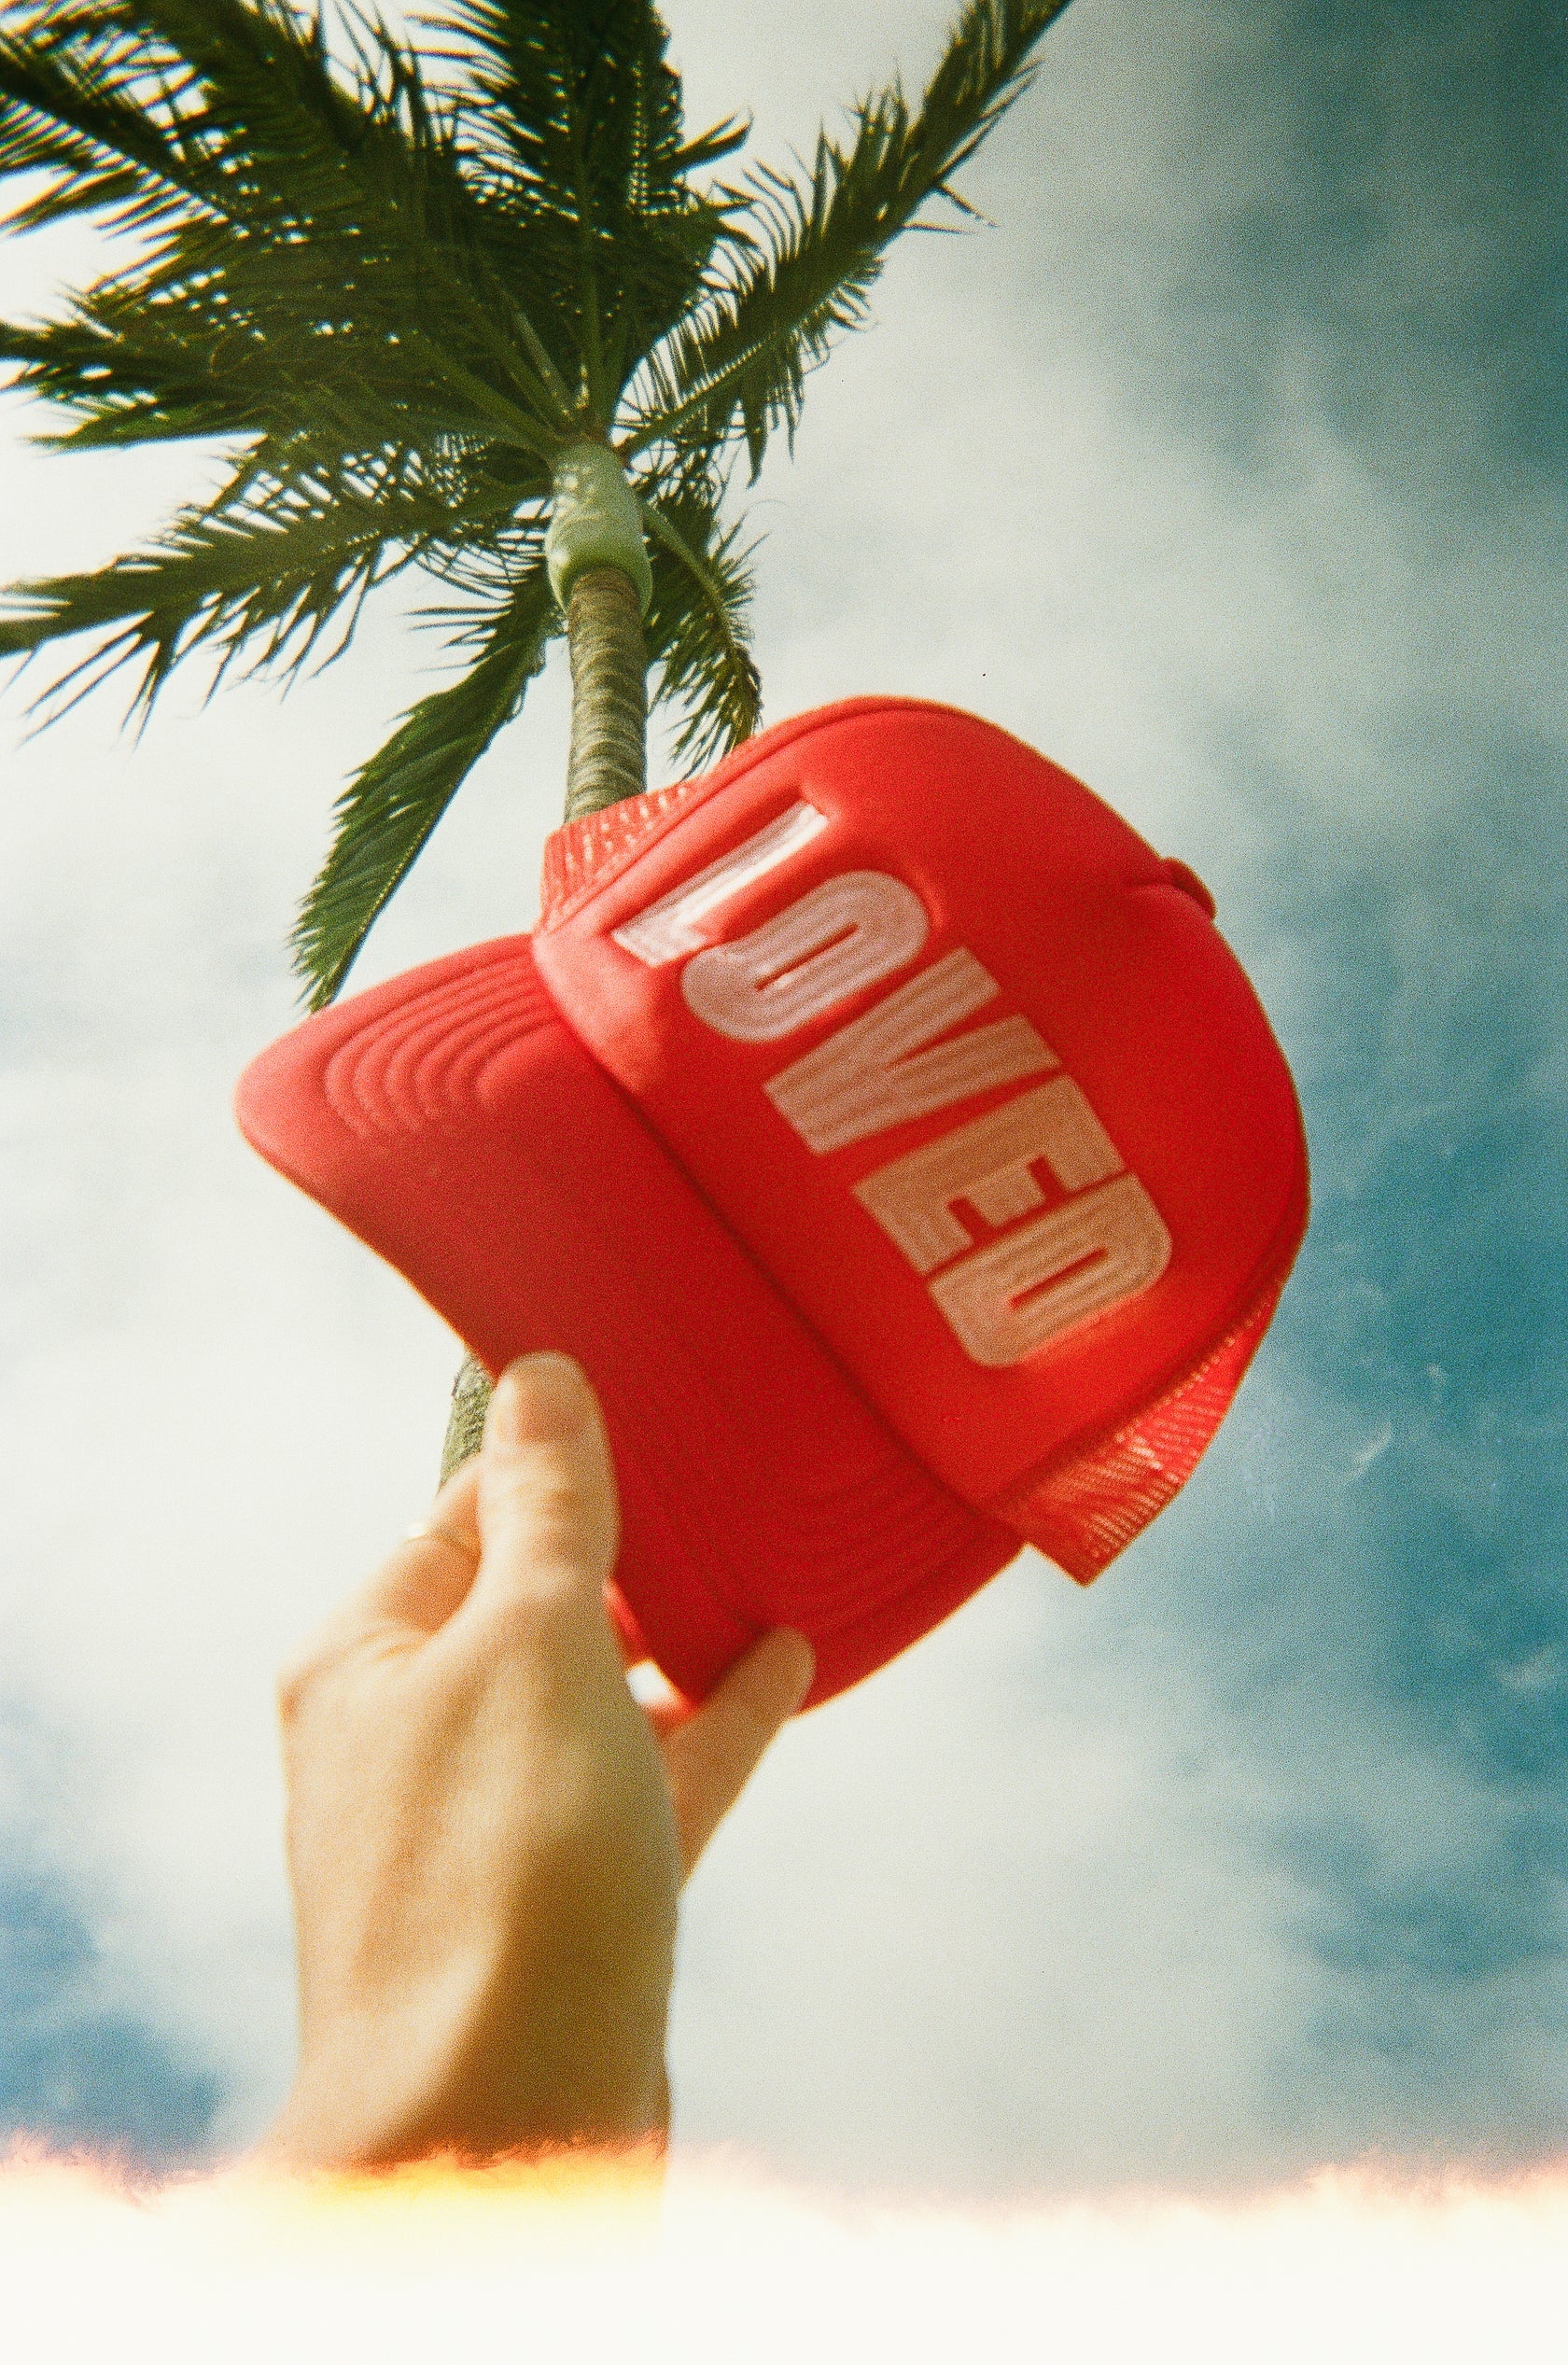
pixel 608 757
pixel 608 761
pixel 465 1426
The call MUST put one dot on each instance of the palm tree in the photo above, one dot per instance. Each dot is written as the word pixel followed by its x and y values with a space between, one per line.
pixel 479 310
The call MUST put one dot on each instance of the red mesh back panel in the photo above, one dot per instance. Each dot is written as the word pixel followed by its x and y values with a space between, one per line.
pixel 576 853
pixel 1088 1510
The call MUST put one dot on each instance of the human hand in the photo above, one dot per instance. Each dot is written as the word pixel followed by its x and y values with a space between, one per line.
pixel 486 1834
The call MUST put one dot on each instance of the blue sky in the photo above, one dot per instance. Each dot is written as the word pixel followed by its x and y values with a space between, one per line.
pixel 1426 251
pixel 1227 467
pixel 78 2060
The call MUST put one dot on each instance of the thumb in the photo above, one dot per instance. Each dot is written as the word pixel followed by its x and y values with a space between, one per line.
pixel 548 1520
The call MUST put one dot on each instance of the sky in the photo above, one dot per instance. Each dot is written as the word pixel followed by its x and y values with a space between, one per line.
pixel 1226 466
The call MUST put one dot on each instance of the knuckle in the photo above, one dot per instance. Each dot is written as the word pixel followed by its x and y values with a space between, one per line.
pixel 557 1500
pixel 296 1680
pixel 289 1692
pixel 566 1526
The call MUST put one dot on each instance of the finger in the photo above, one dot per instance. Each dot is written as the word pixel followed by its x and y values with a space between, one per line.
pixel 709 1757
pixel 545 1502
pixel 428 1576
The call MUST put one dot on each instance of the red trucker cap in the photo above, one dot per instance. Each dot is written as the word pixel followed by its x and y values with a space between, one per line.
pixel 887 1130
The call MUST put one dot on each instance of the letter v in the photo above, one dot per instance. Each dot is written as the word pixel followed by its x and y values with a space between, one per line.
pixel 876 1071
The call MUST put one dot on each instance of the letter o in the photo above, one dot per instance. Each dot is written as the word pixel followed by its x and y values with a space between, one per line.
pixel 846 934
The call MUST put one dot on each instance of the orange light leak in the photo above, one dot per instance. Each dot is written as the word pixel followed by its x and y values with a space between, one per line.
pixel 572 2267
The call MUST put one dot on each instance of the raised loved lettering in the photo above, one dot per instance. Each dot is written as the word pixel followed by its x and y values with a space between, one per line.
pixel 669 927
pixel 987 1163
pixel 878 1072
pixel 1004 1302
pixel 848 933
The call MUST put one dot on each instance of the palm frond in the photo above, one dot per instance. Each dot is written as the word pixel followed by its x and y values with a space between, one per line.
pixel 818 245
pixel 579 120
pixel 263 574
pixel 157 107
pixel 132 368
pixel 290 200
pixel 386 813
pixel 130 386
pixel 697 623
pixel 392 283
pixel 75 105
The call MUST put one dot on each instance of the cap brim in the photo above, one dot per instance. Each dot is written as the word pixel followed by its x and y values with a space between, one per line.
pixel 454 1123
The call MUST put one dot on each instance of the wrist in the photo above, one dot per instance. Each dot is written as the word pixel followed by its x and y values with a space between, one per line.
pixel 378 2088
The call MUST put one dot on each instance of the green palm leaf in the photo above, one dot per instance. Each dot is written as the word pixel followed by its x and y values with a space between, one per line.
pixel 263 574
pixel 130 386
pixel 744 358
pixel 320 214
pixel 386 816
pixel 580 118
pixel 395 285
pixel 73 104
pixel 697 622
